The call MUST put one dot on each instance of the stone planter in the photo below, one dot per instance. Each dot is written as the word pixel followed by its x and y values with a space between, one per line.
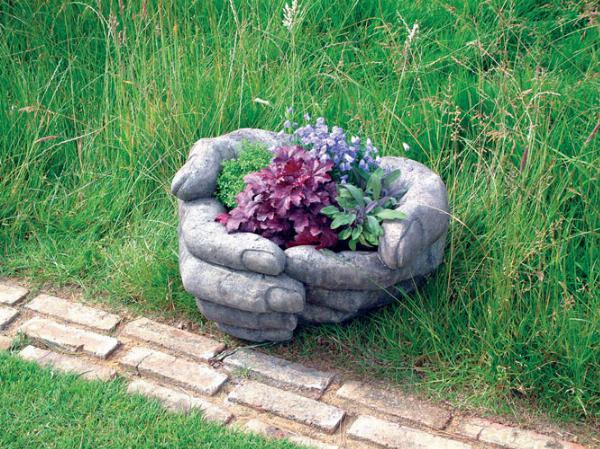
pixel 256 291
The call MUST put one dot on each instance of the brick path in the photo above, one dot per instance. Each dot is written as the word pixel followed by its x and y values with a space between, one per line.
pixel 242 388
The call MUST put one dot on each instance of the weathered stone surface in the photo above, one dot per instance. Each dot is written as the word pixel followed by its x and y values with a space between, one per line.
pixel 506 436
pixel 7 315
pixel 5 343
pixel 256 334
pixel 425 203
pixel 198 177
pixel 190 375
pixel 74 312
pixel 345 270
pixel 242 290
pixel 177 340
pixel 287 405
pixel 276 433
pixel 69 338
pixel 180 401
pixel 69 364
pixel 11 294
pixel 395 436
pixel 317 314
pixel 210 241
pixel 347 300
pixel 395 403
pixel 279 372
pixel 249 320
pixel 244 271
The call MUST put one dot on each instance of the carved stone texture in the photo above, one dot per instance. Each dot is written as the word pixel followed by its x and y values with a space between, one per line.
pixel 256 291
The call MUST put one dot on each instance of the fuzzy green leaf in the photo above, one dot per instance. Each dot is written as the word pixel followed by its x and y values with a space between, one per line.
pixel 342 219
pixel 357 194
pixel 330 211
pixel 390 214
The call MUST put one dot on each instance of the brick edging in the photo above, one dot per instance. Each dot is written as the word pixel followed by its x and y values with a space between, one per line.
pixel 246 389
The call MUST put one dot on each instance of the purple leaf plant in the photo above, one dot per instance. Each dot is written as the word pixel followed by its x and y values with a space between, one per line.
pixel 283 201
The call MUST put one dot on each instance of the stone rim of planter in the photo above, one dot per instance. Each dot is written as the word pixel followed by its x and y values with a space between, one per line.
pixel 257 291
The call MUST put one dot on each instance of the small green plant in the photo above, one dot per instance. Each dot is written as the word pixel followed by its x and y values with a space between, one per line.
pixel 19 342
pixel 252 157
pixel 360 212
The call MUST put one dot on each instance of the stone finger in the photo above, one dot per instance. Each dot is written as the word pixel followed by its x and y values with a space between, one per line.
pixel 348 300
pixel 346 270
pixel 198 177
pixel 313 314
pixel 425 203
pixel 242 290
pixel 256 335
pixel 210 241
pixel 235 317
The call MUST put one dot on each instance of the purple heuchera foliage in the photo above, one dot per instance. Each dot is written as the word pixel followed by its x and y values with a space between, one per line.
pixel 282 202
pixel 332 145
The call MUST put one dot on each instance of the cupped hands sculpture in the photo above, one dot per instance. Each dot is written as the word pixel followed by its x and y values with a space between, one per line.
pixel 257 291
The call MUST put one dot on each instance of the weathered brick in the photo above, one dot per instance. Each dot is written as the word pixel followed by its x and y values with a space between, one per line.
pixel 7 315
pixel 276 433
pixel 279 372
pixel 69 364
pixel 395 403
pixel 395 436
pixel 507 436
pixel 69 338
pixel 74 312
pixel 180 401
pixel 176 340
pixel 5 343
pixel 11 294
pixel 287 405
pixel 177 370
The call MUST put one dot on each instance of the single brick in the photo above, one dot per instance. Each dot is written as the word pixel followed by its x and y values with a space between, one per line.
pixel 395 436
pixel 69 364
pixel 180 401
pixel 74 312
pixel 275 433
pixel 395 403
pixel 506 436
pixel 69 338
pixel 176 340
pixel 279 372
pixel 7 315
pixel 184 373
pixel 10 294
pixel 287 405
pixel 5 343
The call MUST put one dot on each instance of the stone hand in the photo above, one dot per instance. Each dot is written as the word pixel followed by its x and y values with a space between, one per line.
pixel 256 291
pixel 425 203
pixel 341 285
pixel 237 279
pixel 198 177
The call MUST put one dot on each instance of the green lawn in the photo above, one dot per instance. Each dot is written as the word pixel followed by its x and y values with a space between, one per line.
pixel 100 105
pixel 43 409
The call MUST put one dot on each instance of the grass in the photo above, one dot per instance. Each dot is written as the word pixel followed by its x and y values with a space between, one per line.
pixel 43 409
pixel 102 100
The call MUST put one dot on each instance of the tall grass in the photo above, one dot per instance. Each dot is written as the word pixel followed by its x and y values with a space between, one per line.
pixel 102 100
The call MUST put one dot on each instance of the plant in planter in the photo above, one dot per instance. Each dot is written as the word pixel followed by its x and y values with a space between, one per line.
pixel 256 289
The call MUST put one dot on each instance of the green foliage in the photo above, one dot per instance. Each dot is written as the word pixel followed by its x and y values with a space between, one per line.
pixel 252 158
pixel 361 212
pixel 40 408
pixel 95 122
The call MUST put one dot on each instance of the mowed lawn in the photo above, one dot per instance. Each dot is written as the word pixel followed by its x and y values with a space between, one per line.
pixel 43 409
pixel 101 100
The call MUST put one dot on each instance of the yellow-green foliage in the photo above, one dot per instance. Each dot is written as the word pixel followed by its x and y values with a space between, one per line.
pixel 230 182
